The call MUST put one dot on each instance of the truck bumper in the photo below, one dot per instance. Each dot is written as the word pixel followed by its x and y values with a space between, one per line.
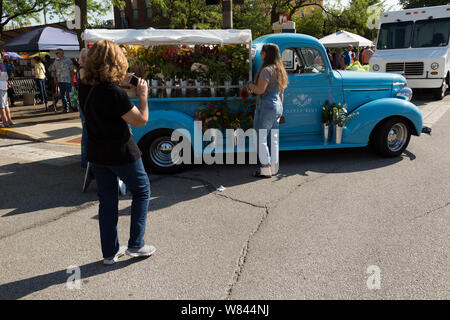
pixel 424 83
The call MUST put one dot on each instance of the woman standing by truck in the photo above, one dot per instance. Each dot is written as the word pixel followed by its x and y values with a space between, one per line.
pixel 271 80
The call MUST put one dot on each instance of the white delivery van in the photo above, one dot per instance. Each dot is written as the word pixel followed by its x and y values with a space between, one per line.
pixel 415 43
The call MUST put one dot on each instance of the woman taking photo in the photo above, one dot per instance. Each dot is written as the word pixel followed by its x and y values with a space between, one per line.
pixel 111 150
pixel 271 80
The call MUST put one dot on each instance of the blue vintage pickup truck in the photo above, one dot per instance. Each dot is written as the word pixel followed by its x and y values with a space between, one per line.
pixel 386 118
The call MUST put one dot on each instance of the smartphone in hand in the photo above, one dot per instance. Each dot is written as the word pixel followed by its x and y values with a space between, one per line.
pixel 134 81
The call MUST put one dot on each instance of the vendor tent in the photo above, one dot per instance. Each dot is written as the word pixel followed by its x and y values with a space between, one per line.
pixel 342 39
pixel 12 56
pixel 47 38
pixel 168 36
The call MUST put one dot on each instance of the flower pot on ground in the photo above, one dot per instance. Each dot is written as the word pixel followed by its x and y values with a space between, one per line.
pixel 184 83
pixel 199 83
pixel 227 90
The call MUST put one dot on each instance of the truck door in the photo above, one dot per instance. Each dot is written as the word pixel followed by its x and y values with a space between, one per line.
pixel 308 89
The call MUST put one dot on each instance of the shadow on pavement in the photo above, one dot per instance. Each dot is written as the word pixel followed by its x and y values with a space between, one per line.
pixel 42 185
pixel 21 288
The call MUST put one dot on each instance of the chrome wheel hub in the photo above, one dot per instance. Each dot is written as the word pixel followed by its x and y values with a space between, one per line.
pixel 397 137
pixel 161 152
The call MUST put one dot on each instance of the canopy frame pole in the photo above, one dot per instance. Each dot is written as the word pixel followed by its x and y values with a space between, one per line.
pixel 250 62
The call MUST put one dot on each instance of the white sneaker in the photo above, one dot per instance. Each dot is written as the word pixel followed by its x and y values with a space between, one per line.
pixel 113 259
pixel 145 251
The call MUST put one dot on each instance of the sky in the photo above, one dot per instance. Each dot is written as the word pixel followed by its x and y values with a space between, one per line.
pixel 389 3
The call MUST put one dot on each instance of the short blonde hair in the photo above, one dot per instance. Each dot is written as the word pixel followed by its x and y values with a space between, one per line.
pixel 105 63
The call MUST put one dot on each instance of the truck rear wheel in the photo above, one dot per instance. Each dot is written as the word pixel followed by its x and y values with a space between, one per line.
pixel 156 148
pixel 391 137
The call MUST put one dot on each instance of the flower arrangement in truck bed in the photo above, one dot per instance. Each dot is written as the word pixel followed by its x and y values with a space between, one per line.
pixel 212 65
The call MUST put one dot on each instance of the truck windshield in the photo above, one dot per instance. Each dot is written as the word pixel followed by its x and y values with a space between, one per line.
pixel 395 35
pixel 431 33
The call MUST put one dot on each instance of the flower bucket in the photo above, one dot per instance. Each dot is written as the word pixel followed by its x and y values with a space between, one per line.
pixel 227 90
pixel 198 83
pixel 338 134
pixel 169 83
pixel 241 86
pixel 326 132
pixel 184 83
pixel 155 90
pixel 213 90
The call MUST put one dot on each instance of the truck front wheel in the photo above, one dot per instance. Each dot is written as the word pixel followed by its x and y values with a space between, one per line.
pixel 391 137
pixel 156 148
pixel 439 93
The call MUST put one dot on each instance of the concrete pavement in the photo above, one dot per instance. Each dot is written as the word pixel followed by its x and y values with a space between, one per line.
pixel 34 123
pixel 311 232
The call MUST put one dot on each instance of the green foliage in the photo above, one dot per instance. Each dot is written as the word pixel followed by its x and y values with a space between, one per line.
pixel 23 12
pixel 409 4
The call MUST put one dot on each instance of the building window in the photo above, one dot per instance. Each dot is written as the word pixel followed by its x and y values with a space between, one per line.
pixel 134 9
pixel 148 7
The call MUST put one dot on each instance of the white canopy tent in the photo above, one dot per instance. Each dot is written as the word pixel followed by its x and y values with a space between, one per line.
pixel 168 36
pixel 342 39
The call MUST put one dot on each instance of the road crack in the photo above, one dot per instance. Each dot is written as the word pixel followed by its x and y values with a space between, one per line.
pixel 243 255
pixel 431 211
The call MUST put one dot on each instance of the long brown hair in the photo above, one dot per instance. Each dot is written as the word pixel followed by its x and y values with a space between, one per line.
pixel 273 57
pixel 105 63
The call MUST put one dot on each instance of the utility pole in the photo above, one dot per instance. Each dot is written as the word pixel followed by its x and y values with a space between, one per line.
pixel 227 14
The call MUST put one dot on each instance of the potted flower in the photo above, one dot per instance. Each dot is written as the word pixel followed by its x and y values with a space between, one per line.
pixel 340 118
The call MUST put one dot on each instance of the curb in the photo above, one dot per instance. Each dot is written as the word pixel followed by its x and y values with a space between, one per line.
pixel 20 135
pixel 16 134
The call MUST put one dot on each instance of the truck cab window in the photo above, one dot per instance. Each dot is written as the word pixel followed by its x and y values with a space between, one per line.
pixel 431 33
pixel 303 61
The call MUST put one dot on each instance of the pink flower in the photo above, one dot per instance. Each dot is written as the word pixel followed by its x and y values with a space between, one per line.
pixel 208 120
pixel 218 113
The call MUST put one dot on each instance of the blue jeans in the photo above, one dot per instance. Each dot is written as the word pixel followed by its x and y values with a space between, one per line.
pixel 266 122
pixel 41 86
pixel 83 139
pixel 63 88
pixel 134 176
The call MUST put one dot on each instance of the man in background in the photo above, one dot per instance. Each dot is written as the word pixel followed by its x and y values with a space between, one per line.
pixel 366 55
pixel 347 55
pixel 63 74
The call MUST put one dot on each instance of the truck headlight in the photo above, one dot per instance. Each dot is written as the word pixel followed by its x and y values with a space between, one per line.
pixel 376 67
pixel 434 65
pixel 405 93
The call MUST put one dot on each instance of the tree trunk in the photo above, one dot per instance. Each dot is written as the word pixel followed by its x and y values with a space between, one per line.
pixel 82 4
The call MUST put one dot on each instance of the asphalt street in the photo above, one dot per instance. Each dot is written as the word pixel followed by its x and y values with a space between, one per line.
pixel 315 231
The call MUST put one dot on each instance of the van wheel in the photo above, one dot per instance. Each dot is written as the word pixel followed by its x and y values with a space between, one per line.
pixel 392 137
pixel 156 148
pixel 439 93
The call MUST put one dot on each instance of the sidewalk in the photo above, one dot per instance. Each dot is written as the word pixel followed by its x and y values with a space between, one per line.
pixel 35 124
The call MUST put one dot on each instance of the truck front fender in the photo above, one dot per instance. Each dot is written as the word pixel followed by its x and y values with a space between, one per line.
pixel 357 130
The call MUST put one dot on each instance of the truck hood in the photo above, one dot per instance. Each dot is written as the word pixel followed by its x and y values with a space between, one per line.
pixel 370 80
pixel 417 54
pixel 362 87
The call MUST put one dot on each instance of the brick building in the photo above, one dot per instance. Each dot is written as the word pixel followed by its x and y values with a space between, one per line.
pixel 140 14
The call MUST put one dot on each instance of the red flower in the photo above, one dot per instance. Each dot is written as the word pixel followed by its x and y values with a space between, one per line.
pixel 244 94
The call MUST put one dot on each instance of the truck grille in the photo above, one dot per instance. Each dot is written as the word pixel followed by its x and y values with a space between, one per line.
pixel 409 68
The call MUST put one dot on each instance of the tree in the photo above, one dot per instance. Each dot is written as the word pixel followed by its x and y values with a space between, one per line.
pixel 254 15
pixel 409 4
pixel 185 14
pixel 24 11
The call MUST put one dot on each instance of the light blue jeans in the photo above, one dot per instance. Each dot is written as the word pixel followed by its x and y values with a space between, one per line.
pixel 266 122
